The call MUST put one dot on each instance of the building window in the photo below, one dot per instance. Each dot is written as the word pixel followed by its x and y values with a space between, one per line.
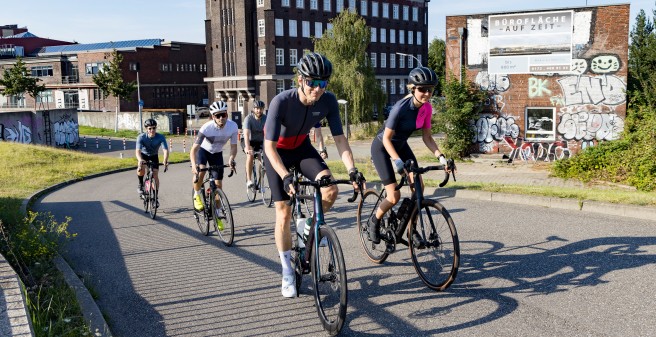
pixel 280 57
pixel 373 60
pixel 314 5
pixel 326 5
pixel 293 57
pixel 329 26
pixel 419 59
pixel 260 28
pixel 293 27
pixel 134 66
pixel 392 35
pixel 392 61
pixel 540 124
pixel 406 12
pixel 93 68
pixel 419 38
pixel 403 86
pixel 352 6
pixel 45 97
pixel 240 102
pixel 392 82
pixel 374 9
pixel 386 10
pixel 373 34
pixel 260 3
pixel 383 35
pixel 280 86
pixel 285 3
pixel 411 62
pixel 402 36
pixel 41 71
pixel 305 25
pixel 280 30
pixel 401 61
pixel 415 14
pixel 383 60
pixel 411 39
pixel 339 5
pixel 363 7
pixel 318 29
pixel 262 57
pixel 383 85
pixel 395 12
pixel 300 3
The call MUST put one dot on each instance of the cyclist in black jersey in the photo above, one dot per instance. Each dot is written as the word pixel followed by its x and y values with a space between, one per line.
pixel 291 115
pixel 253 137
pixel 411 113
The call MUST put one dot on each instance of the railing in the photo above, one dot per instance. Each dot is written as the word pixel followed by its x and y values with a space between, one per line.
pixel 70 79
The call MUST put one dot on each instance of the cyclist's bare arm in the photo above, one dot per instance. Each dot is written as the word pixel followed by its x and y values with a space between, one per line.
pixel 233 152
pixel 247 141
pixel 193 152
pixel 344 150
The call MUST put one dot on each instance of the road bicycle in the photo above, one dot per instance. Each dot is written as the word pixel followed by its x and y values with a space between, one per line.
pixel 149 193
pixel 431 233
pixel 216 208
pixel 323 257
pixel 260 181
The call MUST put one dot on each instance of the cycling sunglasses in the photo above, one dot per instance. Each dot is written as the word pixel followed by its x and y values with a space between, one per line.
pixel 220 114
pixel 152 128
pixel 316 83
pixel 425 89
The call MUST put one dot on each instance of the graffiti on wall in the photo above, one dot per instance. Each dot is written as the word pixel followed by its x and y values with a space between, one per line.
pixel 495 85
pixel 19 133
pixel 587 123
pixel 66 131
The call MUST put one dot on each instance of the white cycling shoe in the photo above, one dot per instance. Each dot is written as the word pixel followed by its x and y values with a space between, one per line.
pixel 288 286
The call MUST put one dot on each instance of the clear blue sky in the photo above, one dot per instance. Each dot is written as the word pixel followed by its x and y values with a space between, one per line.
pixel 183 20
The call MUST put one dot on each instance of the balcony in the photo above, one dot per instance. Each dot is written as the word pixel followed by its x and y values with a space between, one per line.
pixel 70 79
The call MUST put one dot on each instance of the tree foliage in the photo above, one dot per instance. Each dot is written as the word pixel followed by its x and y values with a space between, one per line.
pixel 110 80
pixel 437 61
pixel 353 78
pixel 17 81
pixel 642 62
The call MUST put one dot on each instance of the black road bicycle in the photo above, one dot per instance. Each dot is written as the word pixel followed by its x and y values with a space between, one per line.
pixel 149 195
pixel 431 234
pixel 321 256
pixel 260 181
pixel 216 209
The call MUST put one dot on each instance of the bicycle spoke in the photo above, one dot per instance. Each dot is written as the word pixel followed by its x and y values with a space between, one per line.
pixel 377 253
pixel 222 215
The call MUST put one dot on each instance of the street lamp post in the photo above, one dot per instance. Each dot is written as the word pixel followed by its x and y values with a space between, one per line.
pixel 343 101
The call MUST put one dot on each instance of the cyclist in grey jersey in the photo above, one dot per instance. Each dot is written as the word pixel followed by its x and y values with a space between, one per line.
pixel 253 137
pixel 147 148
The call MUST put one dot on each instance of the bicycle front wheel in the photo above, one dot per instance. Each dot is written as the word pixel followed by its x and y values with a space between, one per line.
pixel 434 248
pixel 377 253
pixel 251 192
pixel 152 196
pixel 145 195
pixel 329 275
pixel 222 215
pixel 265 189
pixel 202 219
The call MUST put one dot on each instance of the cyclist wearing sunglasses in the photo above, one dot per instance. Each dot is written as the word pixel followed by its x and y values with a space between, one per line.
pixel 291 115
pixel 208 149
pixel 408 115
pixel 253 137
pixel 148 144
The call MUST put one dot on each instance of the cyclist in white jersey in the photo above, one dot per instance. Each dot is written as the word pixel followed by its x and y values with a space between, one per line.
pixel 208 148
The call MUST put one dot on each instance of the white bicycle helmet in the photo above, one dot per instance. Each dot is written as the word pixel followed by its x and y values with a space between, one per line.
pixel 218 106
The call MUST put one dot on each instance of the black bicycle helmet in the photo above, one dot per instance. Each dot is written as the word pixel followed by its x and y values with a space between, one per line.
pixel 150 122
pixel 315 66
pixel 258 104
pixel 422 76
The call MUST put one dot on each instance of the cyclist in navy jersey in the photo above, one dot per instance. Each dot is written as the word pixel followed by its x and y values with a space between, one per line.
pixel 291 115
pixel 148 144
pixel 253 137
pixel 390 149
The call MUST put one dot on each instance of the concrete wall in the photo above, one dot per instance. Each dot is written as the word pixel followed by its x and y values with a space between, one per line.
pixel 589 100
pixel 131 120
pixel 58 127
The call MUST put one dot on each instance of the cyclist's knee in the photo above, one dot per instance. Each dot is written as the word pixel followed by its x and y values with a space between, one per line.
pixel 330 193
pixel 394 198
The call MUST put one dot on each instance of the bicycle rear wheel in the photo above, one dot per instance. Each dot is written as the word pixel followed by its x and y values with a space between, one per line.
pixel 202 219
pixel 330 286
pixel 224 225
pixel 377 253
pixel 152 196
pixel 251 192
pixel 265 189
pixel 437 256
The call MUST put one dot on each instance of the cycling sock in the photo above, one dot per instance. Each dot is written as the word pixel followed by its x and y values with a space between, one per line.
pixel 286 261
pixel 197 192
pixel 140 180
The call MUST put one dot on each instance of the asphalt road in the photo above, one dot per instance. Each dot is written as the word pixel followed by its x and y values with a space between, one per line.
pixel 525 271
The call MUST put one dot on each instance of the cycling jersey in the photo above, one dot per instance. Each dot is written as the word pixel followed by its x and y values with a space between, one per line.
pixel 212 139
pixel 255 126
pixel 289 121
pixel 150 146
pixel 405 119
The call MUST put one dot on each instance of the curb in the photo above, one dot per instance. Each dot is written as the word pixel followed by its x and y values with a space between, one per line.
pixel 630 211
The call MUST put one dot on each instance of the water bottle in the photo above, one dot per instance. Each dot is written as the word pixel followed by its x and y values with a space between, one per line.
pixel 300 228
pixel 306 231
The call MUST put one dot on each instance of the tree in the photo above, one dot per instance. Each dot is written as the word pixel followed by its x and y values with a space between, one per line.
pixel 353 77
pixel 17 81
pixel 437 61
pixel 110 81
pixel 642 62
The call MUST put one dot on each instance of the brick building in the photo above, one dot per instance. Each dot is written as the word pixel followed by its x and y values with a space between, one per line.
pixel 254 45
pixel 555 78
pixel 170 75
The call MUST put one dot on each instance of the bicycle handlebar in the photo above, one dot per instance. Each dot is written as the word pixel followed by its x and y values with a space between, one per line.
pixel 325 181
pixel 232 170
pixel 411 168
pixel 151 164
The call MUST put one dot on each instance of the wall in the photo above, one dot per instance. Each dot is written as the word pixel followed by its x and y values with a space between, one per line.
pixel 58 127
pixel 589 100
pixel 131 120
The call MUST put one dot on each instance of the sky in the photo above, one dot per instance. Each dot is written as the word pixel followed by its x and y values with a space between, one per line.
pixel 183 20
